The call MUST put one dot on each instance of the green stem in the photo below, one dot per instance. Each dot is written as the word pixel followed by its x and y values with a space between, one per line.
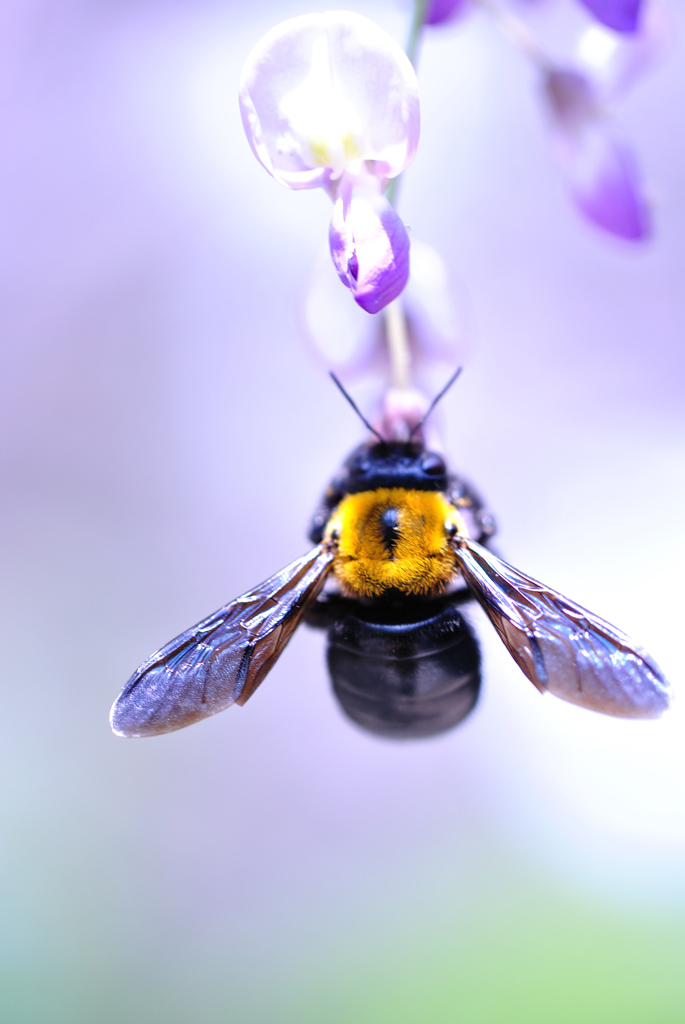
pixel 412 51
pixel 415 30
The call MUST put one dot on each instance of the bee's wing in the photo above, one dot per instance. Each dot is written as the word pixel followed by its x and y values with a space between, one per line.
pixel 223 659
pixel 560 646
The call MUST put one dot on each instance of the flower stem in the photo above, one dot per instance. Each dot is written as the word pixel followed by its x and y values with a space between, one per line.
pixel 415 30
pixel 395 318
pixel 391 190
pixel 517 32
pixel 412 51
pixel 398 344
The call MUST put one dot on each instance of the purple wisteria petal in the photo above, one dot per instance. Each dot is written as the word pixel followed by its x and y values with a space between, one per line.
pixel 370 248
pixel 604 181
pixel 440 11
pixel 621 15
pixel 600 172
pixel 327 94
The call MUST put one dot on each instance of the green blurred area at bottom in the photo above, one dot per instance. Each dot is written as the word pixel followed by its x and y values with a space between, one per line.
pixel 536 958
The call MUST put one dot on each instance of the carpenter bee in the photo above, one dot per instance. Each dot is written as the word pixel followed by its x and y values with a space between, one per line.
pixel 400 544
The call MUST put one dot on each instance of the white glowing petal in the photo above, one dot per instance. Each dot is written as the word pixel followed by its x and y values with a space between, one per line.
pixel 323 92
pixel 597 47
pixel 318 112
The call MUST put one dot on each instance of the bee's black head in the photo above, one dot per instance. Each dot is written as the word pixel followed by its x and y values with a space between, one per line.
pixel 394 464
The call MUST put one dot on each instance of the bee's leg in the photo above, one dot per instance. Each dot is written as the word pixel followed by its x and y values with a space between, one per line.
pixel 465 497
pixel 330 500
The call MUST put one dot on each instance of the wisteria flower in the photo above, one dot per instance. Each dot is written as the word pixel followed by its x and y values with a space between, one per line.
pixel 600 170
pixel 331 101
pixel 438 12
pixel 615 62
pixel 621 15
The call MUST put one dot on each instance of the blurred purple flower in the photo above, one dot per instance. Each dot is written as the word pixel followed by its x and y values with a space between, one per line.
pixel 614 62
pixel 440 11
pixel 401 412
pixel 621 15
pixel 331 101
pixel 600 172
pixel 355 345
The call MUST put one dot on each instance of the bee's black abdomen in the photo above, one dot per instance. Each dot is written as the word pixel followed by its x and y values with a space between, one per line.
pixel 409 678
pixel 402 667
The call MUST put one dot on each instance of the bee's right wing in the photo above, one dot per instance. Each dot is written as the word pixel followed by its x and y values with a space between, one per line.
pixel 560 646
pixel 223 659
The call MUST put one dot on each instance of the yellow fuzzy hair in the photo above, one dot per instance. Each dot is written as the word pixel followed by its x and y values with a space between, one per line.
pixel 422 560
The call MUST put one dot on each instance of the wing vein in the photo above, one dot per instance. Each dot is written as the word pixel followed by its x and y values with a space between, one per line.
pixel 560 646
pixel 222 659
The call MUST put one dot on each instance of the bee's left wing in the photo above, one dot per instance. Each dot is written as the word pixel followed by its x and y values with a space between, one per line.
pixel 560 646
pixel 223 659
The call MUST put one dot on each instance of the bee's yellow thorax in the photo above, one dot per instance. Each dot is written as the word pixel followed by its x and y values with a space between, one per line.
pixel 396 538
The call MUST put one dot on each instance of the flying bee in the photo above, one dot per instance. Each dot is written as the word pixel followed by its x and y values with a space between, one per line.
pixel 400 545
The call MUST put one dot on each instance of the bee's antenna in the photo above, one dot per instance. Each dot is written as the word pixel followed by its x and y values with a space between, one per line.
pixel 435 401
pixel 352 403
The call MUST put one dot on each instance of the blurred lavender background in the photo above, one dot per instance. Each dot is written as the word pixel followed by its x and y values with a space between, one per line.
pixel 165 436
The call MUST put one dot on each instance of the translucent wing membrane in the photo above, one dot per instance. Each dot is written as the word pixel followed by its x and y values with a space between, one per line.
pixel 223 659
pixel 560 646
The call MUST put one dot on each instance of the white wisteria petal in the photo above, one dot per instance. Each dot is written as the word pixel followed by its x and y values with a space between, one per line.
pixel 327 94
